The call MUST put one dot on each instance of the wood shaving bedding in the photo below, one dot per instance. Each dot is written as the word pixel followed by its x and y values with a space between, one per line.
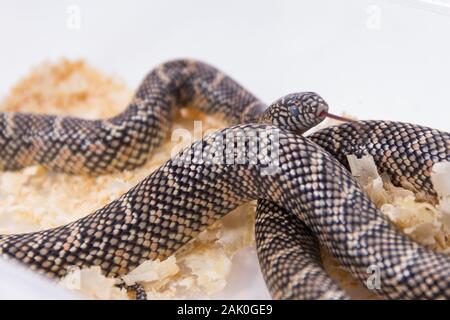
pixel 35 199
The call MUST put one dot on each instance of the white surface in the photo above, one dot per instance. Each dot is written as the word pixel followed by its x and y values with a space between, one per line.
pixel 20 283
pixel 372 59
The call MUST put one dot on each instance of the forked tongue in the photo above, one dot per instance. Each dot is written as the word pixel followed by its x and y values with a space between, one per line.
pixel 336 117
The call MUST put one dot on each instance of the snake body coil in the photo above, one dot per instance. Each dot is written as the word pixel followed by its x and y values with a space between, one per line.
pixel 192 190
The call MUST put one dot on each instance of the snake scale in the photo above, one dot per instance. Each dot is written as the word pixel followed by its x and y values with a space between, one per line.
pixel 308 197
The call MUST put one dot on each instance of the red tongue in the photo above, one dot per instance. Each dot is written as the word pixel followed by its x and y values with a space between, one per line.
pixel 335 117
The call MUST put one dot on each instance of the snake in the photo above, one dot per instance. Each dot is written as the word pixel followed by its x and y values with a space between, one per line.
pixel 306 194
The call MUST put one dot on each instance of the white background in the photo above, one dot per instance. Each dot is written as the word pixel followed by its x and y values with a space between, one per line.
pixel 371 59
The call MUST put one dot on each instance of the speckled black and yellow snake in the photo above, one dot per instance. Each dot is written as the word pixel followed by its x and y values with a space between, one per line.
pixel 306 194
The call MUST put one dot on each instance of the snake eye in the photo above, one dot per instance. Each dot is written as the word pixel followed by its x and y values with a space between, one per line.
pixel 294 111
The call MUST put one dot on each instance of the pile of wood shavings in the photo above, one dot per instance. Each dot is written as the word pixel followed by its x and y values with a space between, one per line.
pixel 426 223
pixel 35 199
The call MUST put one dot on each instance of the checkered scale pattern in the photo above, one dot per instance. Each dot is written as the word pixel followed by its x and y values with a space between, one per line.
pixel 80 146
pixel 192 190
pixel 187 194
pixel 404 152
pixel 289 256
pixel 297 112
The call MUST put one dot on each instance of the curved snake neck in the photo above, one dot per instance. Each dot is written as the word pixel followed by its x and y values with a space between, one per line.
pixel 123 142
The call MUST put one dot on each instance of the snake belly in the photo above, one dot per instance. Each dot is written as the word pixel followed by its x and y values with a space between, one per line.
pixel 154 219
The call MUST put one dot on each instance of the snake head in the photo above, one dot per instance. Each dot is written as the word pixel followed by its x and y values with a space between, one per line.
pixel 297 112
